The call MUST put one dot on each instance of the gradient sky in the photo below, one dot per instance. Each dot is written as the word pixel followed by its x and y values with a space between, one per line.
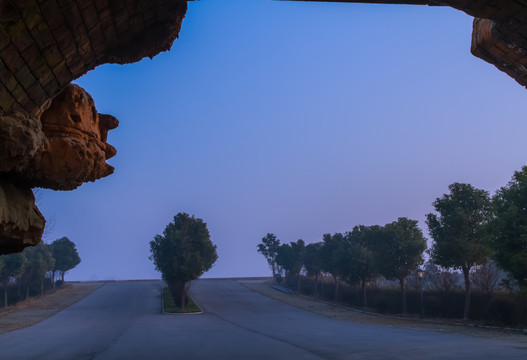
pixel 293 118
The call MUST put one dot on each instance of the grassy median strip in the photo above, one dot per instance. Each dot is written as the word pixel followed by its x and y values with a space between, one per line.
pixel 170 307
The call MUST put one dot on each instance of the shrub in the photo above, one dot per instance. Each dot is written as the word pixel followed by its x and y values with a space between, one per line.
pixel 502 310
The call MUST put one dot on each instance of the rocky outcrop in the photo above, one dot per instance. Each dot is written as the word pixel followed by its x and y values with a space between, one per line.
pixel 499 33
pixel 45 44
pixel 21 224
pixel 51 135
pixel 75 150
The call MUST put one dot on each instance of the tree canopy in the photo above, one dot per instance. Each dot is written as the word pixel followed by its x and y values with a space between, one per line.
pixel 269 249
pixel 459 231
pixel 66 256
pixel 508 227
pixel 399 251
pixel 183 253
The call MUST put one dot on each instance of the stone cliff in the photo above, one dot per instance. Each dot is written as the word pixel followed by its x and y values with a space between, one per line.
pixel 51 135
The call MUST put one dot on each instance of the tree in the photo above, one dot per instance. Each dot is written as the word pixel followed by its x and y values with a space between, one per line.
pixel 399 251
pixel 458 231
pixel 269 249
pixel 39 261
pixel 183 253
pixel 329 257
pixel 440 278
pixel 291 258
pixel 12 266
pixel 508 227
pixel 312 262
pixel 362 266
pixel 486 277
pixel 66 257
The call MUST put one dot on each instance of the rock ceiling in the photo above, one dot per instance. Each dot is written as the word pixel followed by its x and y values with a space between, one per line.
pixel 51 134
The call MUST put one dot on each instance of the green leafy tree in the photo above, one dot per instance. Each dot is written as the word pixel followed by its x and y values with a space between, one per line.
pixel 330 257
pixel 312 262
pixel 269 249
pixel 66 257
pixel 39 261
pixel 12 266
pixel 508 227
pixel 458 231
pixel 183 253
pixel 291 258
pixel 361 266
pixel 400 251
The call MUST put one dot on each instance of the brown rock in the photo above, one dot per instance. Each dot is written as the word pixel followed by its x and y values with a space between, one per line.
pixel 20 139
pixel 21 223
pixel 76 150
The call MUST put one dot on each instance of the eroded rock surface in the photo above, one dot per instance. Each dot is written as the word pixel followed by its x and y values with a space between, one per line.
pixel 76 150
pixel 20 139
pixel 50 133
pixel 21 223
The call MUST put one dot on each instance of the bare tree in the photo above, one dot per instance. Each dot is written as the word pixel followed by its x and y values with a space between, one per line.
pixel 486 277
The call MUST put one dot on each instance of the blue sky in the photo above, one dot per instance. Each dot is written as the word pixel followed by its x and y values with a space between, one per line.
pixel 293 118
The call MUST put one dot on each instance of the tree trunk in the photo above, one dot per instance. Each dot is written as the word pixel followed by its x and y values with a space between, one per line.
pixel 27 291
pixel 5 292
pixel 273 266
pixel 466 275
pixel 364 297
pixel 53 279
pixel 403 292
pixel 183 295
pixel 299 286
pixel 62 276
pixel 336 288
pixel 316 285
pixel 42 287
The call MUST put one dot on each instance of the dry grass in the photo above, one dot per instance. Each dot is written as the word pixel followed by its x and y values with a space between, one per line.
pixel 343 313
pixel 34 310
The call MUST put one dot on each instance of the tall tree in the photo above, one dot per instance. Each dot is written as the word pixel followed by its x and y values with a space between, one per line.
pixel 362 266
pixel 291 258
pixel 400 251
pixel 329 257
pixel 12 266
pixel 183 253
pixel 312 262
pixel 66 257
pixel 508 227
pixel 269 249
pixel 458 231
pixel 39 261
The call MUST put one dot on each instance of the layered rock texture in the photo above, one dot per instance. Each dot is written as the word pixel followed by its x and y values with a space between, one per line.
pixel 51 134
pixel 499 33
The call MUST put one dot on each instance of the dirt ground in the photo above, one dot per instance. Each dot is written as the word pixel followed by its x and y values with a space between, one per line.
pixel 34 310
pixel 348 314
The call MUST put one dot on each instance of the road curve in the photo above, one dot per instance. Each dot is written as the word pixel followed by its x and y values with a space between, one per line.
pixel 123 320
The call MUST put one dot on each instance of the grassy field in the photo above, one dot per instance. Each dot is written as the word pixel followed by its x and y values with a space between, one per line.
pixel 171 308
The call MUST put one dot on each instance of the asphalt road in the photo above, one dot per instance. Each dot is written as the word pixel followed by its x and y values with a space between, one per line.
pixel 123 321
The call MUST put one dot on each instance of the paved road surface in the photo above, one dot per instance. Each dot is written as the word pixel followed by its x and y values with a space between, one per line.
pixel 123 321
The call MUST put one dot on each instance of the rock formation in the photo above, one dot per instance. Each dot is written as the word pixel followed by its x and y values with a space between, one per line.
pixel 76 150
pixel 499 33
pixel 51 135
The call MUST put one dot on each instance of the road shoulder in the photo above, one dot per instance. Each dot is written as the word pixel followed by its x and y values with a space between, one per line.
pixel 35 310
pixel 348 314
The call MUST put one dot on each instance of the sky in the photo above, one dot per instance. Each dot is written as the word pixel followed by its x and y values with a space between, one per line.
pixel 292 118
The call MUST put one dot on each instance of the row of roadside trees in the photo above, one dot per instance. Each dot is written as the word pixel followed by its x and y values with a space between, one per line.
pixel 30 268
pixel 468 228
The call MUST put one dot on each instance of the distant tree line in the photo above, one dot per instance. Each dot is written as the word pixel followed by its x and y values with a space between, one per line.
pixel 473 233
pixel 37 267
